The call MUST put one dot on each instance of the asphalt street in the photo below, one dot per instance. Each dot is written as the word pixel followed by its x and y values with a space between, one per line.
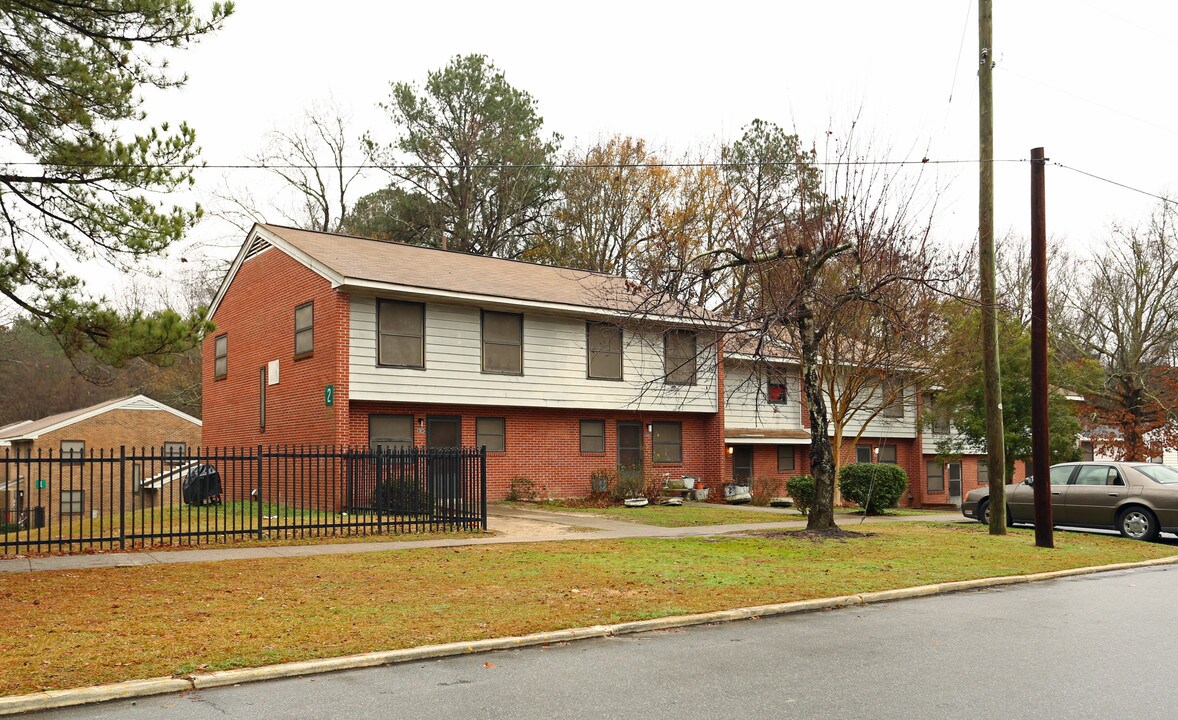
pixel 1093 646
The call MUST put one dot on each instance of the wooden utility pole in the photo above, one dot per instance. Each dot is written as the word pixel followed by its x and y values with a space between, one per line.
pixel 995 438
pixel 1040 430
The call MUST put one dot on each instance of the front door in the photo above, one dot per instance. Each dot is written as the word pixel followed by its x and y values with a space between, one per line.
pixel 445 474
pixel 629 453
pixel 954 472
pixel 742 465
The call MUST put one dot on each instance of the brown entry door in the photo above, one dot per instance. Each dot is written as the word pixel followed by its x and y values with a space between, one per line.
pixel 445 477
pixel 742 465
pixel 629 451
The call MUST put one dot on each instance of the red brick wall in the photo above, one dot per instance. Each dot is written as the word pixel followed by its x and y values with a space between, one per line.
pixel 257 313
pixel 544 445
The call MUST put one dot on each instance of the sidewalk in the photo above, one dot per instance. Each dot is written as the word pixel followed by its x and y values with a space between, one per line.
pixel 513 525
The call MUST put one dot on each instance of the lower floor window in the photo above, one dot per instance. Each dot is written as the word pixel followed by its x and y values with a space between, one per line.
pixel 887 454
pixel 936 477
pixel 492 433
pixel 667 442
pixel 785 458
pixel 862 453
pixel 72 502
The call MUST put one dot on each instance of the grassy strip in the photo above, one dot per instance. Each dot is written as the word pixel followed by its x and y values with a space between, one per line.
pixel 688 515
pixel 692 514
pixel 73 628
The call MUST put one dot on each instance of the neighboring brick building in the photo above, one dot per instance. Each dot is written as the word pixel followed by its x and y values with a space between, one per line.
pixel 328 340
pixel 38 471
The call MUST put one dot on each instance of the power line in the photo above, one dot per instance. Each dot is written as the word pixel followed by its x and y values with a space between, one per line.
pixel 511 166
pixel 1168 201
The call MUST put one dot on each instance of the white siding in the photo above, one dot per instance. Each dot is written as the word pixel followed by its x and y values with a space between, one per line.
pixel 554 367
pixel 930 439
pixel 879 426
pixel 746 405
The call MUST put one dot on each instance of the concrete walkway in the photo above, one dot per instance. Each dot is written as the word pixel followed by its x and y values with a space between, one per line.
pixel 511 524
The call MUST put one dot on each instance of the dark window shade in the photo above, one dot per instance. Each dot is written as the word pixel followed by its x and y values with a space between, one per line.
pixel 936 477
pixel 401 330
pixel 862 453
pixel 605 351
pixel 503 338
pixel 492 433
pixel 221 356
pixel 390 432
pixel 887 454
pixel 592 436
pixel 679 361
pixel 667 442
pixel 785 458
pixel 983 472
pixel 304 328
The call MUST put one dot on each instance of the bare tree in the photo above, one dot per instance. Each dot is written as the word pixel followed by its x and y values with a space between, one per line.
pixel 319 160
pixel 1125 314
pixel 852 236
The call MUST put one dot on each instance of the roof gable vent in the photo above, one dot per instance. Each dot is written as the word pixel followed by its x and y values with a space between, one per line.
pixel 257 247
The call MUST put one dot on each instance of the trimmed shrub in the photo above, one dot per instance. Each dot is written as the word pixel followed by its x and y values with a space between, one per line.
pixel 890 482
pixel 801 491
pixel 402 496
pixel 521 488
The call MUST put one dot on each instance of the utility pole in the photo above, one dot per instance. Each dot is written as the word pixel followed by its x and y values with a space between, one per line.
pixel 1040 447
pixel 995 437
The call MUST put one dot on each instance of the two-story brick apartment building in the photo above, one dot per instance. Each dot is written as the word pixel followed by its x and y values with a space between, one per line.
pixel 324 339
pixel 328 340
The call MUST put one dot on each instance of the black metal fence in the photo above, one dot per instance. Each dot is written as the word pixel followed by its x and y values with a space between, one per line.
pixel 147 498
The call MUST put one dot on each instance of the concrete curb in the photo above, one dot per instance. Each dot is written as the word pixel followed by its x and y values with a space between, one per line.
pixel 13 704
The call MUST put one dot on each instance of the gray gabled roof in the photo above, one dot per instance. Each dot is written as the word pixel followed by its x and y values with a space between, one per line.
pixel 33 429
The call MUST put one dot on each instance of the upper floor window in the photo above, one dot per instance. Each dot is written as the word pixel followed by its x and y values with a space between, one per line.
pixel 73 449
pixel 503 343
pixel 401 331
pixel 304 328
pixel 777 392
pixel 891 400
pixel 605 350
pixel 679 357
pixel 221 356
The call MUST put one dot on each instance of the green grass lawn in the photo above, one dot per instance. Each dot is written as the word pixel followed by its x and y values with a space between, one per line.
pixel 73 628
pixel 686 515
pixel 695 514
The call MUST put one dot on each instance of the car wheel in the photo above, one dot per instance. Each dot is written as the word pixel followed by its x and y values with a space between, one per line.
pixel 1138 523
pixel 984 512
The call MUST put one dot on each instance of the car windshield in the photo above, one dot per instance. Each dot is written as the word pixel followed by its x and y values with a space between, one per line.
pixel 1163 474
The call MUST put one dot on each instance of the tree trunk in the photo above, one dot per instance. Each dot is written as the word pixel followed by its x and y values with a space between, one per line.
pixel 821 516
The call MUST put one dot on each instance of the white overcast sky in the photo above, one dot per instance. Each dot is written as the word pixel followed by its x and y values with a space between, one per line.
pixel 1092 82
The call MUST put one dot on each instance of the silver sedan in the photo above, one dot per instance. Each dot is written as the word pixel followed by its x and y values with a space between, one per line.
pixel 1137 499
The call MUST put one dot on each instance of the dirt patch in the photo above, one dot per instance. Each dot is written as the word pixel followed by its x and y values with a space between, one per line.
pixel 816 535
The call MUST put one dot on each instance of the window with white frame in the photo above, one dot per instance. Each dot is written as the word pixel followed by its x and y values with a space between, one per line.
pixel 304 328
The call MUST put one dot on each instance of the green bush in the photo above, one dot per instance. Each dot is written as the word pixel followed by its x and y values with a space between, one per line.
pixel 801 491
pixel 521 488
pixel 886 483
pixel 402 496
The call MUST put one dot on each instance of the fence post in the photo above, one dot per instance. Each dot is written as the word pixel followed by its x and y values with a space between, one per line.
pixel 122 497
pixel 483 482
pixel 379 490
pixel 259 490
